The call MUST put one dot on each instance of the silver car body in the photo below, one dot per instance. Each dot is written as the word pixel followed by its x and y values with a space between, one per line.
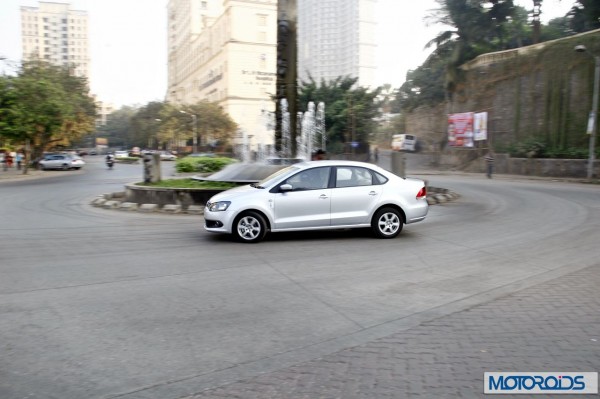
pixel 61 161
pixel 338 194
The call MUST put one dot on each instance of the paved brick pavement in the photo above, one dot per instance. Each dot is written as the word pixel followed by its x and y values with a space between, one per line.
pixel 552 326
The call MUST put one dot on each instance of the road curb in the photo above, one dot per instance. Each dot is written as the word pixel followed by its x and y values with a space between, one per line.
pixel 116 200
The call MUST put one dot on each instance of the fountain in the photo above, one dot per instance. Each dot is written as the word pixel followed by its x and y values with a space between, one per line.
pixel 311 128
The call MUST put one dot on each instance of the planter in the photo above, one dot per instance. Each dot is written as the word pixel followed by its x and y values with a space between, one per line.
pixel 168 196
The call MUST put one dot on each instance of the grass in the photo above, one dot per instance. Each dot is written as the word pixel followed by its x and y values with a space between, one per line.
pixel 190 183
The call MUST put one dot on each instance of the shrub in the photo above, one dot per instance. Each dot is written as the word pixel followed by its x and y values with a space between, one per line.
pixel 202 164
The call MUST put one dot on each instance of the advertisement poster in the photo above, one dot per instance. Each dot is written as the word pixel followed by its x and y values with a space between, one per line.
pixel 460 130
pixel 480 122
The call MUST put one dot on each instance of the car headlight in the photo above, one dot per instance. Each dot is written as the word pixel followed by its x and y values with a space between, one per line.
pixel 219 206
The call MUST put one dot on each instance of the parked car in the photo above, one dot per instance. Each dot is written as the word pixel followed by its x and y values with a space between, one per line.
pixel 319 195
pixel 202 155
pixel 61 161
pixel 167 156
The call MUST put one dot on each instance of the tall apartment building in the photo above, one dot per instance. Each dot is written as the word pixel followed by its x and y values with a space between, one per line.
pixel 55 33
pixel 224 51
pixel 337 38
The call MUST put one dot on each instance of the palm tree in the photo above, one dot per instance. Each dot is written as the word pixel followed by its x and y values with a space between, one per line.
pixel 474 28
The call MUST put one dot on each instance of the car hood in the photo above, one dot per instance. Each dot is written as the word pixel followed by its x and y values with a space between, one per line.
pixel 236 192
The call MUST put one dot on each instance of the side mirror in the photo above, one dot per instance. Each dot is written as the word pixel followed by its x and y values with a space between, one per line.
pixel 286 187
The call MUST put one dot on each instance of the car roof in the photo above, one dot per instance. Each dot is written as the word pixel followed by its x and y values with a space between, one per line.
pixel 335 162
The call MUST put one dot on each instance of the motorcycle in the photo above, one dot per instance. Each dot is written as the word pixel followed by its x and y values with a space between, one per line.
pixel 110 162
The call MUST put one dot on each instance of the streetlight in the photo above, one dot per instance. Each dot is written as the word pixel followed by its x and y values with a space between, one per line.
pixel 593 121
pixel 195 137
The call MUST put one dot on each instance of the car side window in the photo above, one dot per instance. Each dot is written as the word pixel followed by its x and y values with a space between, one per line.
pixel 379 178
pixel 310 179
pixel 351 176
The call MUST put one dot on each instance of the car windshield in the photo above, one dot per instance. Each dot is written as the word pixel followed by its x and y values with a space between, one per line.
pixel 269 180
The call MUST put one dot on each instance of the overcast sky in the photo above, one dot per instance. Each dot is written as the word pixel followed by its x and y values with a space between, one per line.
pixel 128 47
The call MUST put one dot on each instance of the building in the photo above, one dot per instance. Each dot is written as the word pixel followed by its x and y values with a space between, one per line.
pixel 337 38
pixel 225 52
pixel 52 32
pixel 103 111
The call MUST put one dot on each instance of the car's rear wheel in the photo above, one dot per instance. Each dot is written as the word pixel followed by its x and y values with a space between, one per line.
pixel 250 227
pixel 387 223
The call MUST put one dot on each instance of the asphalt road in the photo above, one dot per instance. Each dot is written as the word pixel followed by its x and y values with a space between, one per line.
pixel 105 304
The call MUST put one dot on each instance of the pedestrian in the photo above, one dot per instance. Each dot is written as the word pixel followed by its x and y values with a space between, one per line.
pixel 19 160
pixel 8 160
pixel 376 154
pixel 489 162
pixel 318 155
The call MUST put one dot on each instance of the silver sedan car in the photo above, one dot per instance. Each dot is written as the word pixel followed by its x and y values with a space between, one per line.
pixel 319 195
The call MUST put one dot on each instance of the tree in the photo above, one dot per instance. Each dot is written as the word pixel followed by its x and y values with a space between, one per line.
pixel 424 85
pixel 145 124
pixel 46 106
pixel 584 16
pixel 350 111
pixel 475 27
pixel 213 125
pixel 118 130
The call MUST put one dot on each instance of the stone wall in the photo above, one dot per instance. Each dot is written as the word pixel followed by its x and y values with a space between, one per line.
pixel 542 91
pixel 544 167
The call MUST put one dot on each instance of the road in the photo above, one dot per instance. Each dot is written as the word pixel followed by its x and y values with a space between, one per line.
pixel 105 304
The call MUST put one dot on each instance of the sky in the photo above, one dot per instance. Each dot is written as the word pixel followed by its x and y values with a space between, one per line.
pixel 128 42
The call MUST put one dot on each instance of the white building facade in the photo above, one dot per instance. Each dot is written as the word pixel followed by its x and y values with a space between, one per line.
pixel 224 51
pixel 54 33
pixel 337 38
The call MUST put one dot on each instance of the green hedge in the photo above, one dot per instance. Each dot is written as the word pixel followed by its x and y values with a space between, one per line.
pixel 202 164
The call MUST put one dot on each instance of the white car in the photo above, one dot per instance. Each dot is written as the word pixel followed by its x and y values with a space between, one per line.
pixel 167 156
pixel 319 195
pixel 121 154
pixel 61 161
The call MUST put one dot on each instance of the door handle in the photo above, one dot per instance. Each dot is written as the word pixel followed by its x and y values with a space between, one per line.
pixel 373 193
pixel 323 196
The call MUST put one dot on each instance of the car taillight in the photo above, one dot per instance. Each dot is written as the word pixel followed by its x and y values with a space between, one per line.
pixel 422 193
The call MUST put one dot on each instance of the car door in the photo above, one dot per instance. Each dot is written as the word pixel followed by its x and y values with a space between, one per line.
pixel 354 196
pixel 55 162
pixel 307 204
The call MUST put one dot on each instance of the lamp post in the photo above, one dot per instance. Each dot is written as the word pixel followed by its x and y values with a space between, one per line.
pixel 593 121
pixel 195 136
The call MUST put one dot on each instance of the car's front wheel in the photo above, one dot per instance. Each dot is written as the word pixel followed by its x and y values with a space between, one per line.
pixel 250 227
pixel 387 223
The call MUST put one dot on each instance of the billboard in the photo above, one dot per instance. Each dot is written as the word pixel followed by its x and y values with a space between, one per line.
pixel 467 127
pixel 480 128
pixel 460 130
pixel 101 141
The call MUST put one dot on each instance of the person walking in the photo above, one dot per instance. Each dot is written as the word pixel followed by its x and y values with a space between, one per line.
pixel 19 160
pixel 319 155
pixel 8 160
pixel 489 162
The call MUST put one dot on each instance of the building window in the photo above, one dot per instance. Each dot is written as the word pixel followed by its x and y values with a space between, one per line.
pixel 262 20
